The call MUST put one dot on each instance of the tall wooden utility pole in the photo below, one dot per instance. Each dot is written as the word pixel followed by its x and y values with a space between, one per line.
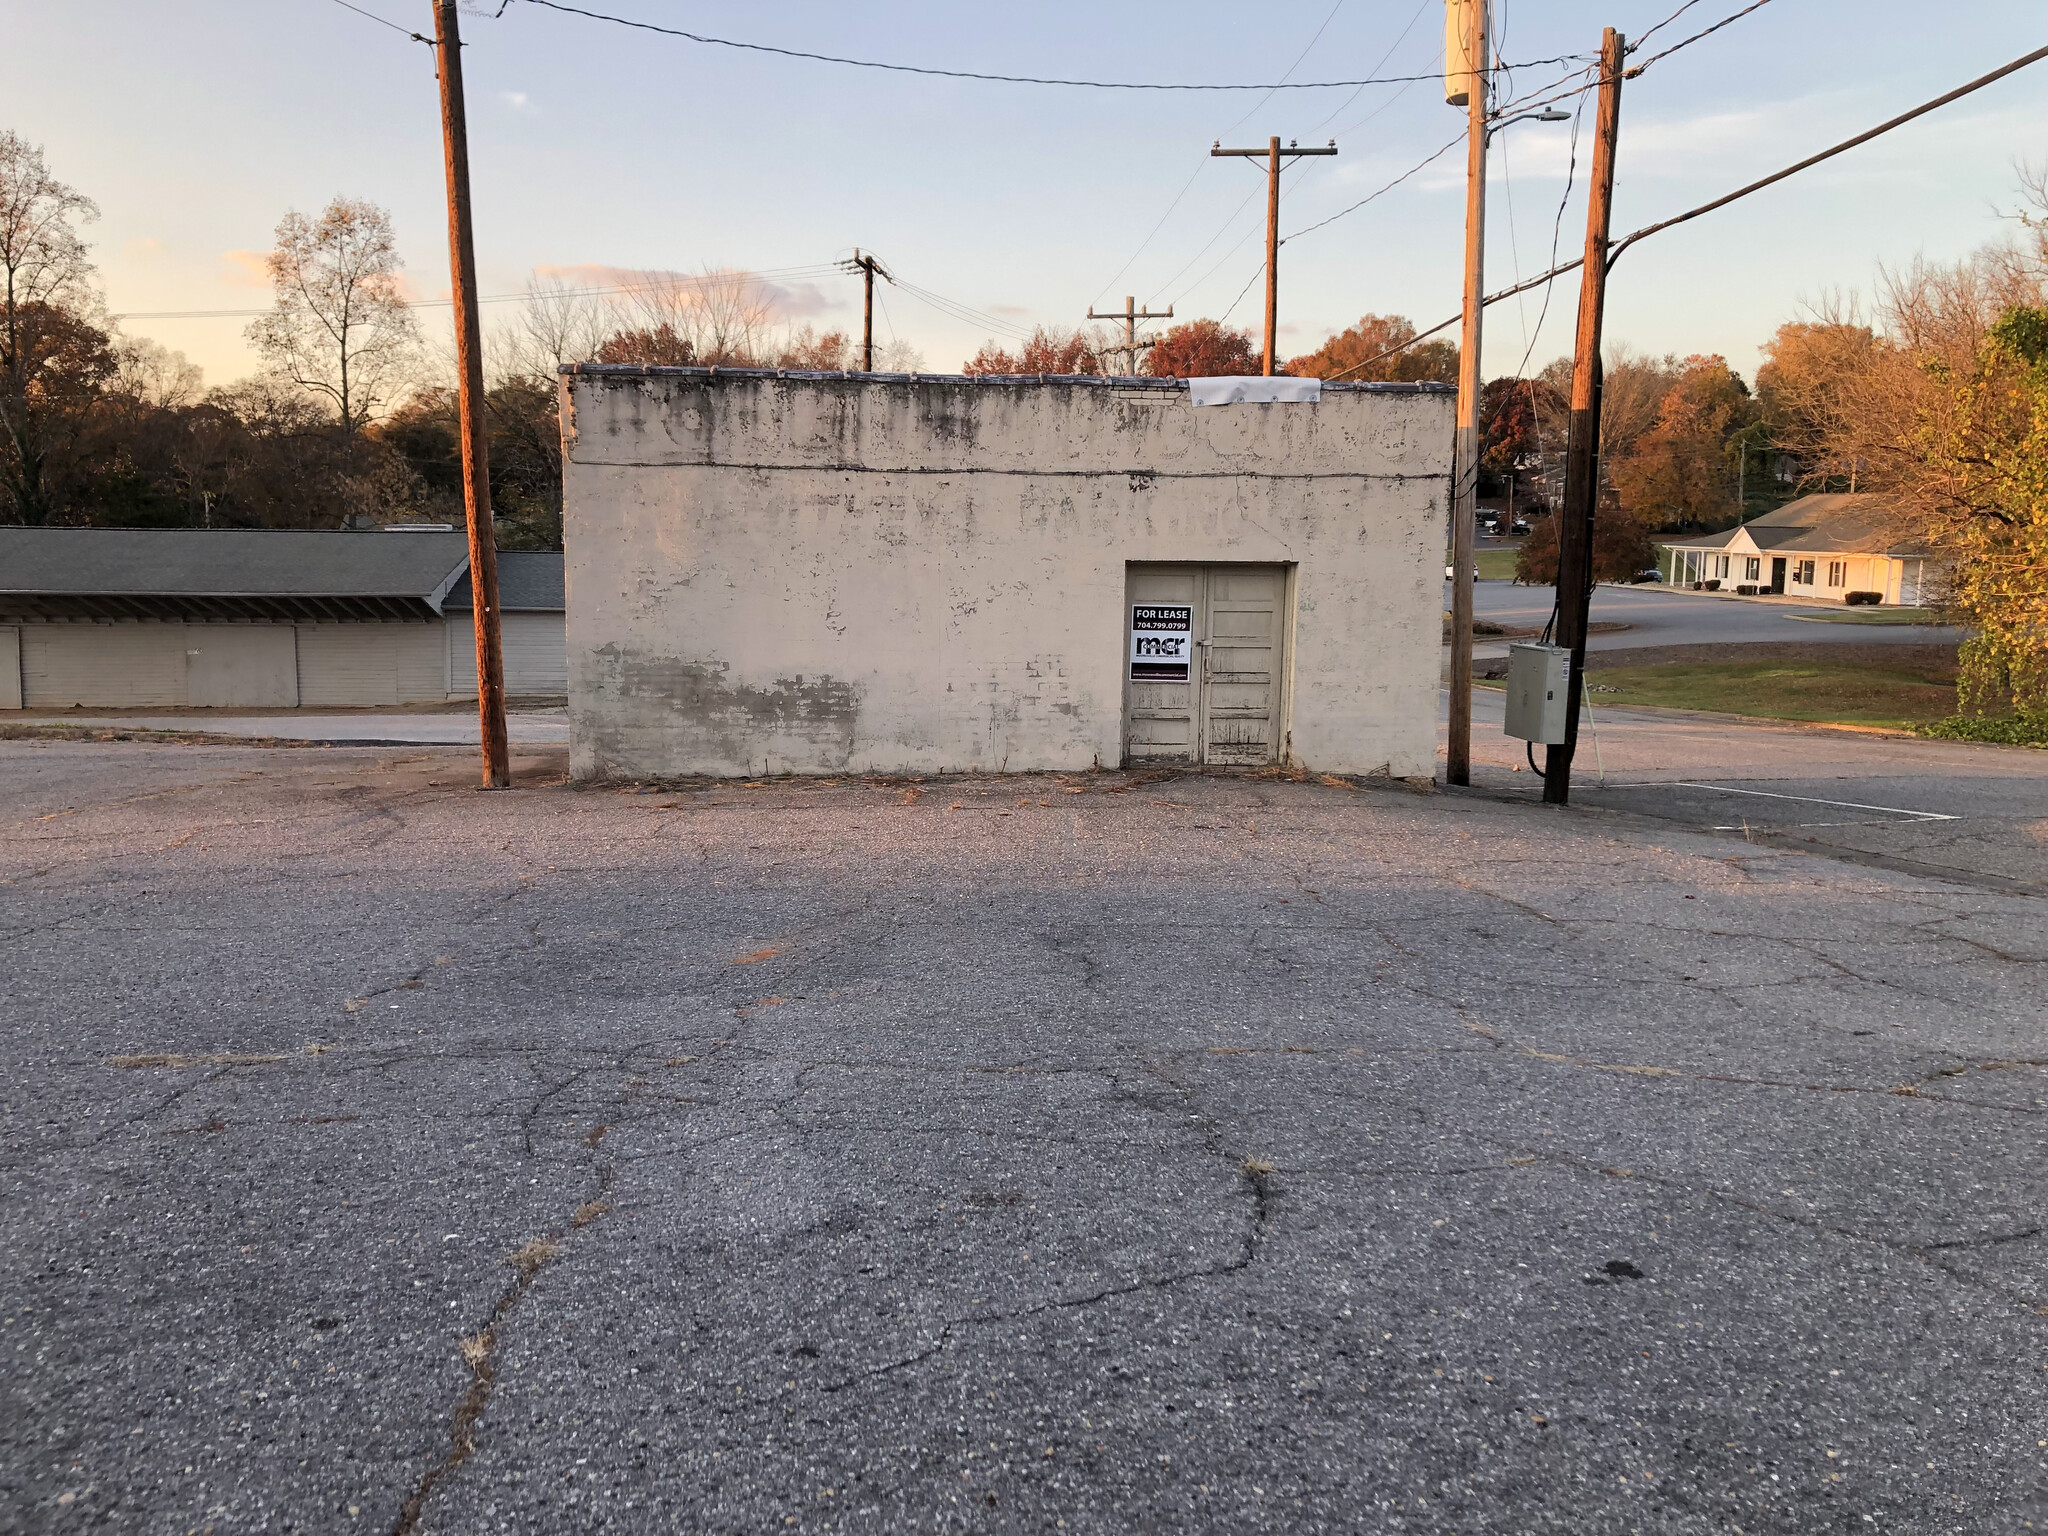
pixel 1465 83
pixel 1273 154
pixel 476 464
pixel 1130 314
pixel 867 266
pixel 1582 444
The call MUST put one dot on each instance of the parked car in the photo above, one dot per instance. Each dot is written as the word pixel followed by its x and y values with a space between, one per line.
pixel 1518 524
pixel 1653 574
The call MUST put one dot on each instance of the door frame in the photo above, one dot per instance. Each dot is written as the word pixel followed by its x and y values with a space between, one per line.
pixel 1283 664
pixel 1777 586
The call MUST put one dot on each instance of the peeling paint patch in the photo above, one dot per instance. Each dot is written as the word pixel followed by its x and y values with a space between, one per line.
pixel 803 719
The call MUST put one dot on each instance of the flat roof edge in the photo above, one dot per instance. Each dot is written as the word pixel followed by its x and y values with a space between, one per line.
pixel 1101 381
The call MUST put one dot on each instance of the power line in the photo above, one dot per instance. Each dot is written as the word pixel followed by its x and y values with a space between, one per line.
pixel 1686 42
pixel 773 274
pixel 1306 50
pixel 1253 109
pixel 385 22
pixel 1828 154
pixel 1412 170
pixel 1614 251
pixel 1297 171
pixel 1247 288
pixel 1651 32
pixel 1556 233
pixel 970 74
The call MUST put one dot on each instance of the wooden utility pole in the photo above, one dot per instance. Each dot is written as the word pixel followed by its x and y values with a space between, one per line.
pixel 476 464
pixel 868 267
pixel 1130 315
pixel 1273 154
pixel 1465 68
pixel 1582 445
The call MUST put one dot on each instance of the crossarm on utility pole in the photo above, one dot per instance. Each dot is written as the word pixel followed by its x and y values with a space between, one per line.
pixel 1273 155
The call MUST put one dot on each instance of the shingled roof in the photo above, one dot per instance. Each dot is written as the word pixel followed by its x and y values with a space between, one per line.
pixel 227 573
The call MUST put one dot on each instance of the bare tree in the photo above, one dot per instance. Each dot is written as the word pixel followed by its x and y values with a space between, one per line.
pixel 52 355
pixel 717 318
pixel 557 324
pixel 152 373
pixel 339 326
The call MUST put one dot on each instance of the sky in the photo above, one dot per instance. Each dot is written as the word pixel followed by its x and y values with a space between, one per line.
pixel 597 148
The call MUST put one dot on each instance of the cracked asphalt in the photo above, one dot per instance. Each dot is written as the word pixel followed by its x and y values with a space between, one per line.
pixel 1092 1154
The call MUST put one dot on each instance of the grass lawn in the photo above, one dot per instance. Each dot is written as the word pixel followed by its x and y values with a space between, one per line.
pixel 1496 564
pixel 1911 693
pixel 1788 690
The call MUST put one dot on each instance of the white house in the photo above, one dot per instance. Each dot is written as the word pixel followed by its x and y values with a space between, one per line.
pixel 1822 547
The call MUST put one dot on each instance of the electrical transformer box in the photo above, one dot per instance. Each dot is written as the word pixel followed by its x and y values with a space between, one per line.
pixel 1539 687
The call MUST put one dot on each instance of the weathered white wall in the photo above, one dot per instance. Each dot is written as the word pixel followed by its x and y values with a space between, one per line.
pixel 829 575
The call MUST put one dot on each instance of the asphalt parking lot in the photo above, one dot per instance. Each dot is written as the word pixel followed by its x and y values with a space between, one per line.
pixel 1957 811
pixel 1099 1153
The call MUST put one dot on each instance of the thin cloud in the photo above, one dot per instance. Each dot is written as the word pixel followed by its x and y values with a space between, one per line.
pixel 246 269
pixel 787 301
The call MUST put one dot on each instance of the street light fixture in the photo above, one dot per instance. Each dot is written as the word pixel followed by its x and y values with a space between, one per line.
pixel 1550 116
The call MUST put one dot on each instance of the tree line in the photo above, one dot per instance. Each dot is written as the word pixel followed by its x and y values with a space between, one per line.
pixel 1937 399
pixel 351 421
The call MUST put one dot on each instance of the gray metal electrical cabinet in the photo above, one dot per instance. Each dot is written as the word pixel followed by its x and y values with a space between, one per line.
pixel 1539 685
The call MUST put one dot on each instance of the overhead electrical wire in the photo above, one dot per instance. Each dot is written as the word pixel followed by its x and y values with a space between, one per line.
pixel 1199 165
pixel 971 74
pixel 1412 170
pixel 1686 42
pixel 383 21
pixel 773 274
pixel 1615 249
pixel 1651 32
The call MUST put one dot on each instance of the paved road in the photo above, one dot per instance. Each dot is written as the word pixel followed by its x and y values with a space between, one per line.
pixel 1956 809
pixel 1204 1155
pixel 1659 617
pixel 531 727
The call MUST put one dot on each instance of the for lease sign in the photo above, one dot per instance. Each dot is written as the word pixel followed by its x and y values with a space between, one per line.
pixel 1162 642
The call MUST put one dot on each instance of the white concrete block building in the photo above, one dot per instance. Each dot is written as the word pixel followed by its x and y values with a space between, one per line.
pixel 152 618
pixel 825 573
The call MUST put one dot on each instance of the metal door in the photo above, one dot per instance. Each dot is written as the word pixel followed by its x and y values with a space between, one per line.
pixel 1224 705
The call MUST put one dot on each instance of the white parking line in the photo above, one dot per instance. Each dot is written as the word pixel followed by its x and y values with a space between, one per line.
pixel 1847 805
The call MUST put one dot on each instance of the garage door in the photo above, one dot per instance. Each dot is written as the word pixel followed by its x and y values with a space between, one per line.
pixel 105 665
pixel 352 664
pixel 246 664
pixel 536 657
pixel 1204 663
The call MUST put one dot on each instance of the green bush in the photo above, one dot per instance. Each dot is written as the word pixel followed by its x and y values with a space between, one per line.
pixel 2006 730
pixel 1862 599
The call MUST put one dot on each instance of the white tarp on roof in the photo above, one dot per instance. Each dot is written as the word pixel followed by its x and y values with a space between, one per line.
pixel 1252 389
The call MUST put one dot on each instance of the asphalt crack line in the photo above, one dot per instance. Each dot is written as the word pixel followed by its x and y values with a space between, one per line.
pixel 1921 1252
pixel 480 1349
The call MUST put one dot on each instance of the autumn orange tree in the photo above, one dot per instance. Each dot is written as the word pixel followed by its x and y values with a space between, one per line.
pixel 1204 349
pixel 1681 472
pixel 1047 351
pixel 1364 343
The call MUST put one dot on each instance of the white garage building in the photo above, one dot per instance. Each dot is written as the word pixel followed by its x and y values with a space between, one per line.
pixel 155 618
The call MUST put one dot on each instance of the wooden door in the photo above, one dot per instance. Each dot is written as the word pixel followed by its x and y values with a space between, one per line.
pixel 1240 657
pixel 1222 703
